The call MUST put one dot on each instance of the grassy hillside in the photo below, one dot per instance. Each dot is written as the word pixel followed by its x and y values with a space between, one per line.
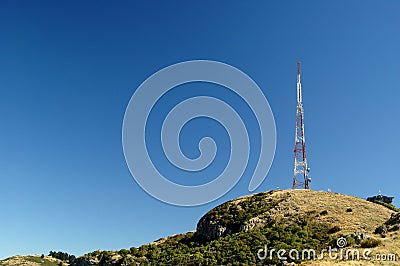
pixel 235 232
pixel 232 233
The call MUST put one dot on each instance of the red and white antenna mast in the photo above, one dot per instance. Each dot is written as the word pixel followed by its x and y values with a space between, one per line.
pixel 300 178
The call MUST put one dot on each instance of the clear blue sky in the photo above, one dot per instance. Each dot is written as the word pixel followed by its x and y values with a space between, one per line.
pixel 69 68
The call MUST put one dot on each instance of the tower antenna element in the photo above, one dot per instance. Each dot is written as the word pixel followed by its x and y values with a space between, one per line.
pixel 300 177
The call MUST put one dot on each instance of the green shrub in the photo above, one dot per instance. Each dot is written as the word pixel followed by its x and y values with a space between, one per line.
pixel 350 241
pixel 370 243
pixel 387 205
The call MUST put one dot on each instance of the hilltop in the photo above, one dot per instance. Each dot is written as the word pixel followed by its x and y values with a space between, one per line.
pixel 31 260
pixel 234 232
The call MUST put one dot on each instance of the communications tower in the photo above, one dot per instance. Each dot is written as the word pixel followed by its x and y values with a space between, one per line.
pixel 300 177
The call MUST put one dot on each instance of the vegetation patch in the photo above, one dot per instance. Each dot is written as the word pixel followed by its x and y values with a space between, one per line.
pixel 63 256
pixel 387 205
pixel 234 249
pixel 232 215
pixel 370 243
pixel 41 261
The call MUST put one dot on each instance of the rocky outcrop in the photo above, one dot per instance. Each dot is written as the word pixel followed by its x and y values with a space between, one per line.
pixel 394 219
pixel 209 229
pixel 393 224
pixel 253 223
pixel 240 215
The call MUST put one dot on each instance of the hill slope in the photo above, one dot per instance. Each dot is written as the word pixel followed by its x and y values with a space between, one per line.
pixel 30 260
pixel 238 231
pixel 351 214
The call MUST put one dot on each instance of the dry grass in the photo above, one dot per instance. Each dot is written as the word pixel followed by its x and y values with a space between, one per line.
pixel 30 260
pixel 364 217
pixel 334 209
